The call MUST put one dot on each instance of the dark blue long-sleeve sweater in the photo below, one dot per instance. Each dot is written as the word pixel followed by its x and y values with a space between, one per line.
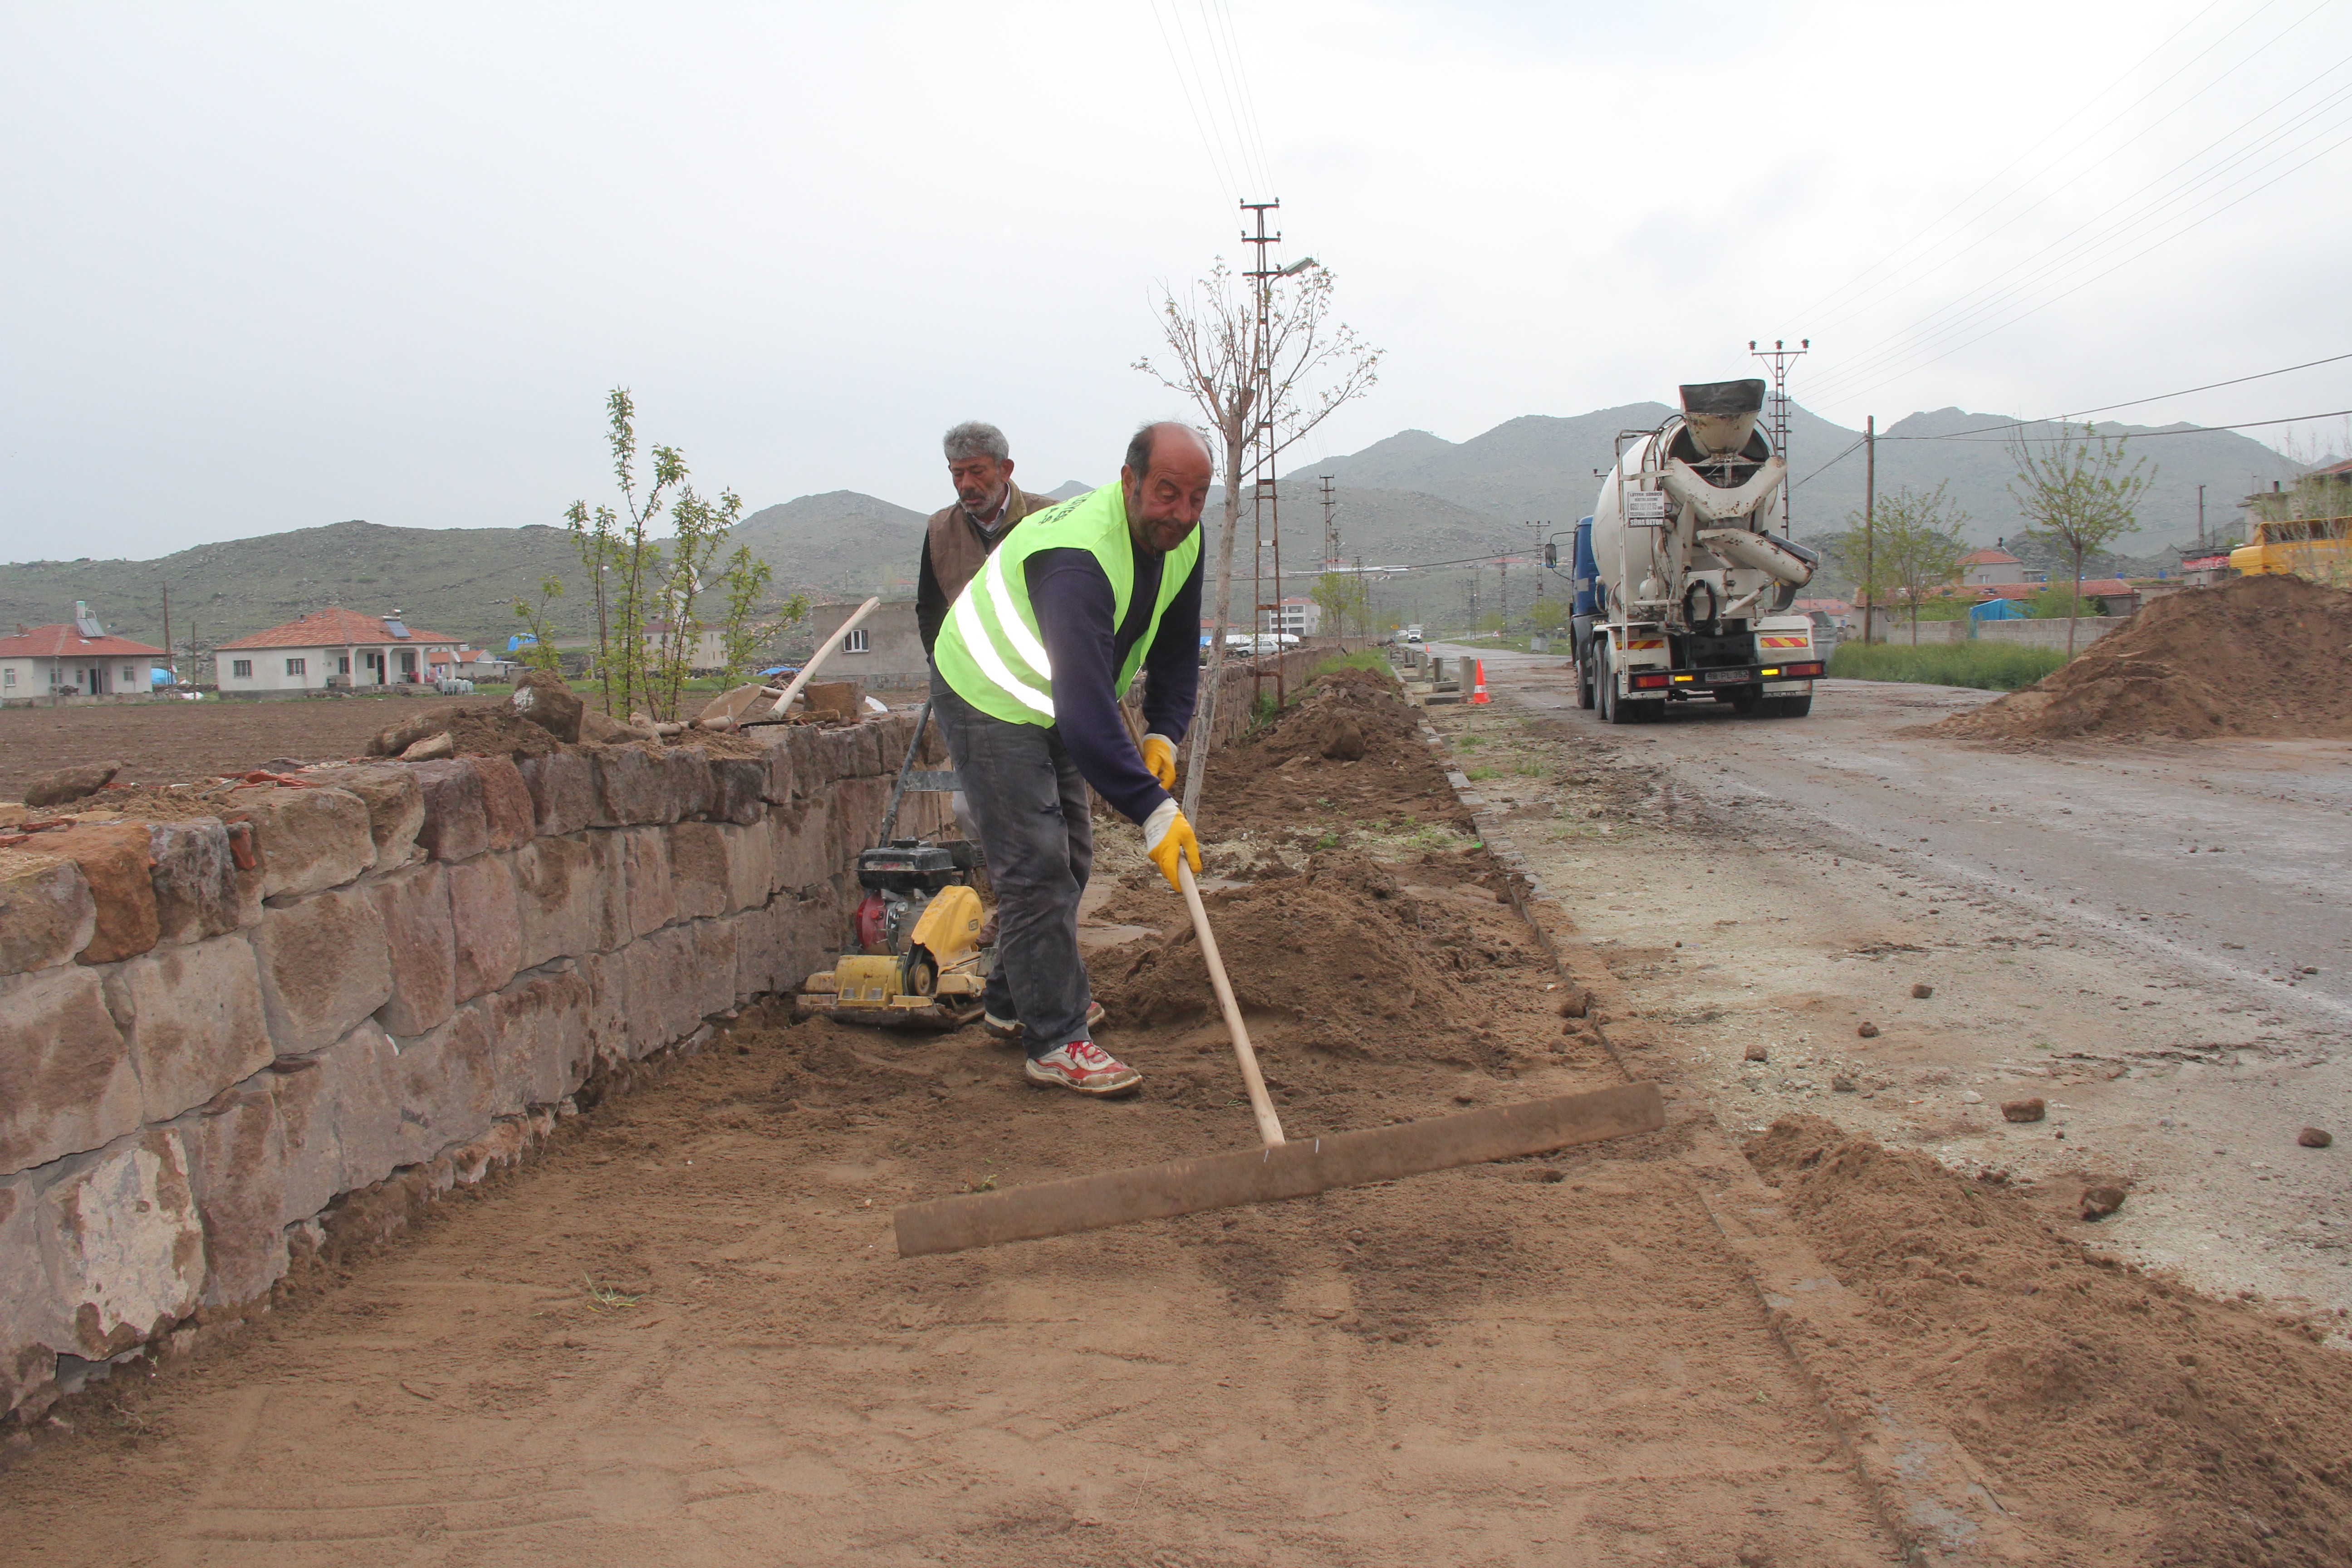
pixel 1073 604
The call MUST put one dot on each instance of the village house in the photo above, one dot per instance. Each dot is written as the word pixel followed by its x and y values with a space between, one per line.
pixel 77 659
pixel 330 648
pixel 1994 568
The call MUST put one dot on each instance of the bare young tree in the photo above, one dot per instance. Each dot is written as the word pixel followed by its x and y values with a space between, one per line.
pixel 1919 545
pixel 1267 377
pixel 2078 496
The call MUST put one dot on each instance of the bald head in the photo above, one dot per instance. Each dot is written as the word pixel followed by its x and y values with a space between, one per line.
pixel 1166 481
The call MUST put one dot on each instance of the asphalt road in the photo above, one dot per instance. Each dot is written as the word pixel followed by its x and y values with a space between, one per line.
pixel 2232 858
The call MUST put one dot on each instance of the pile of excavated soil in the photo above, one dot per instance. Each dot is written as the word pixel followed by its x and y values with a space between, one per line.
pixel 1350 751
pixel 2261 657
pixel 1345 960
pixel 2099 1396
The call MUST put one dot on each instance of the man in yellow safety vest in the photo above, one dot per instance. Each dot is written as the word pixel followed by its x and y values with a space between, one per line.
pixel 1028 671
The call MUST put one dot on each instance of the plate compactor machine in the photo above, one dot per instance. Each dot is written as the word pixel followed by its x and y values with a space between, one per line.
pixel 921 966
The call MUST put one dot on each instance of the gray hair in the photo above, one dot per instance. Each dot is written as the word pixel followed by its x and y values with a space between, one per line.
pixel 973 438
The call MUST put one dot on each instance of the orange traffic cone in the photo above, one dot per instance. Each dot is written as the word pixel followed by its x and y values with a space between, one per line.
pixel 1478 687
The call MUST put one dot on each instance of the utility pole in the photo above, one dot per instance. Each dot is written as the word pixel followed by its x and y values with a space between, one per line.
pixel 1363 603
pixel 172 663
pixel 1777 357
pixel 2200 517
pixel 1265 494
pixel 1503 572
pixel 1332 561
pixel 1869 506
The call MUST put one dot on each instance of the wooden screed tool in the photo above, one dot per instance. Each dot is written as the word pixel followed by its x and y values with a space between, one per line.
pixel 1280 1169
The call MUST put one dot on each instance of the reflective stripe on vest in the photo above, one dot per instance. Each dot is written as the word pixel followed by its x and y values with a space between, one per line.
pixel 990 652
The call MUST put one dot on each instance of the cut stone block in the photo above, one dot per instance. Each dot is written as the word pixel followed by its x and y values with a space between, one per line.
pixel 457 823
pixel 572 897
pixel 665 1003
pixel 776 775
pixel 485 924
pixel 312 839
pixel 539 1025
pixel 27 1363
pixel 325 965
pixel 757 940
pixel 563 787
pixel 653 901
pixel 690 781
pixel 113 861
pixel 800 850
pixel 697 870
pixel 420 945
pixel 507 804
pixel 747 863
pixel 193 1018
pixel 808 932
pixel 712 977
pixel 339 1115
pixel 737 785
pixel 123 1246
pixel 195 879
pixel 394 802
pixel 236 1168
pixel 812 760
pixel 608 1006
pixel 633 786
pixel 66 1079
pixel 447 1082
pixel 857 807
pixel 46 914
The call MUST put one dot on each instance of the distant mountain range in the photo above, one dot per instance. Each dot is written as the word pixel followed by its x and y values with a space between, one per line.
pixel 1539 467
pixel 1412 498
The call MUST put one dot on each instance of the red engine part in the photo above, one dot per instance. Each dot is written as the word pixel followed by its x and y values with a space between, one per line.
pixel 867 925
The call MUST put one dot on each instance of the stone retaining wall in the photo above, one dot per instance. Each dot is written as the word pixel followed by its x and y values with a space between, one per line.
pixel 211 1030
pixel 220 1037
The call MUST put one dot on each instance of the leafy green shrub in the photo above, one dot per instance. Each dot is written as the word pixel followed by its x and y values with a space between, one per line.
pixel 1988 666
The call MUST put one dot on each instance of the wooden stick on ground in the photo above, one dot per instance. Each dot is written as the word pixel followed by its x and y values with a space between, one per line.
pixel 1269 1126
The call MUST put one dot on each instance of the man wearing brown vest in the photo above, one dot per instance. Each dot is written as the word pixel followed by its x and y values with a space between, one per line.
pixel 955 546
pixel 958 542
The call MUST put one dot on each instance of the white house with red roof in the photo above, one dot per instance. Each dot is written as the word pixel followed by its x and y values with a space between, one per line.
pixel 78 660
pixel 1992 569
pixel 333 647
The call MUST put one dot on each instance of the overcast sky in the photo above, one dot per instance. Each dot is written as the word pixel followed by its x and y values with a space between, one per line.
pixel 270 267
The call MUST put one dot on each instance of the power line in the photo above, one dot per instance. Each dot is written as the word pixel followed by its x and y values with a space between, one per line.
pixel 1944 258
pixel 2056 257
pixel 1824 302
pixel 2134 403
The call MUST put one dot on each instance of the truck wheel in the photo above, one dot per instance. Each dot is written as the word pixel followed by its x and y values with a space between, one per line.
pixel 1747 704
pixel 1604 698
pixel 1584 679
pixel 1788 706
pixel 1615 709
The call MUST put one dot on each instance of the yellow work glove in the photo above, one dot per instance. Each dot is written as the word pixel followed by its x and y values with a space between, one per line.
pixel 1166 835
pixel 1160 756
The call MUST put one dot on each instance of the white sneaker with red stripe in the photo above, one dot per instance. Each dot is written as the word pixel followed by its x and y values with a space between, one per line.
pixel 1084 1066
pixel 1009 1029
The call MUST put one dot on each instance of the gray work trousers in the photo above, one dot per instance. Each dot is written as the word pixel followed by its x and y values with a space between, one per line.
pixel 1030 804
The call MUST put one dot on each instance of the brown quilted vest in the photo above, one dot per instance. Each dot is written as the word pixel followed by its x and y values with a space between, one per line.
pixel 958 550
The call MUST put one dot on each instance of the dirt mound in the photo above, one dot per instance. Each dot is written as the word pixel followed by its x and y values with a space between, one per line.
pixel 2093 1390
pixel 1345 716
pixel 2261 657
pixel 1340 960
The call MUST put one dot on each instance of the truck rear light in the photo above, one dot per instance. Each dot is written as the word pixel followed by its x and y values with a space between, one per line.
pixel 1646 682
pixel 1802 669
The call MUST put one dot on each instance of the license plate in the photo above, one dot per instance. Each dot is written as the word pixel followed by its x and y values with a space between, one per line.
pixel 1721 675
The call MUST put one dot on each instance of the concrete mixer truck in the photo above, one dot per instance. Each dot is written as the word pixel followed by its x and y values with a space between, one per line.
pixel 1682 589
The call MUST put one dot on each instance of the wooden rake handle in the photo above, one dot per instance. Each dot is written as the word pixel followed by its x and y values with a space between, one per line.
pixel 1269 1126
pixel 822 651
